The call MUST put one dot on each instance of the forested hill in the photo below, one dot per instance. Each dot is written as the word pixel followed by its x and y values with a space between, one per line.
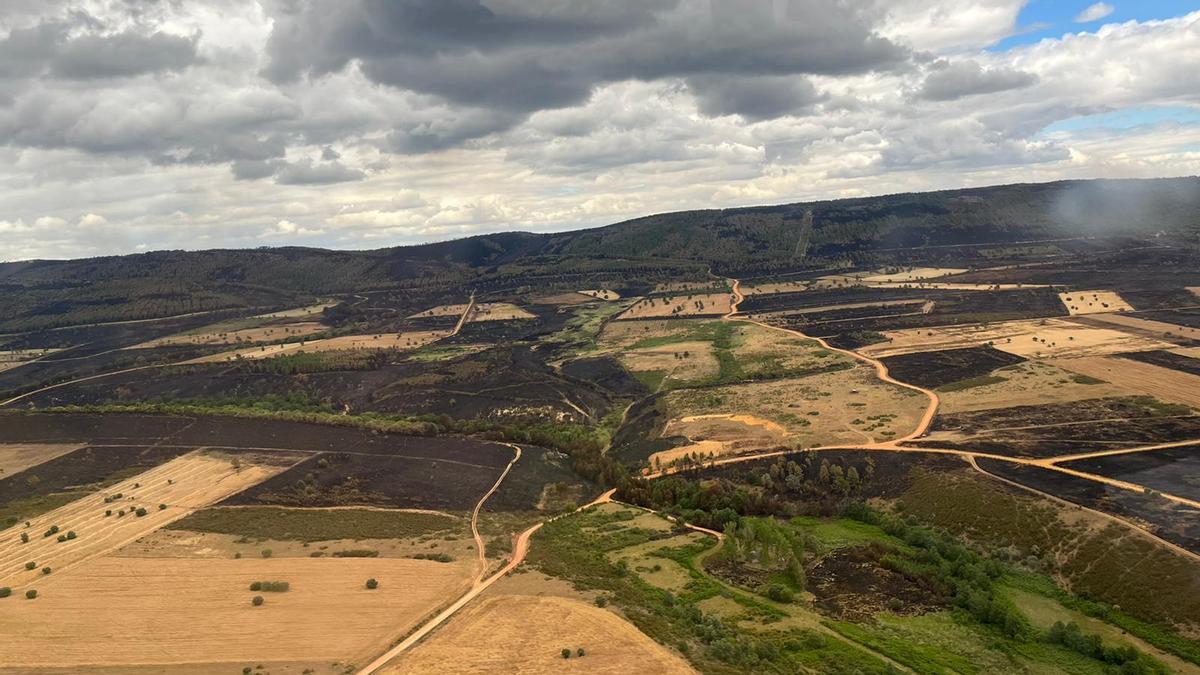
pixel 40 294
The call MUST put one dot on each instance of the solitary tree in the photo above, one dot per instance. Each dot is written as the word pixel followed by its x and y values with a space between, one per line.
pixel 566 653
pixel 372 583
pixel 256 600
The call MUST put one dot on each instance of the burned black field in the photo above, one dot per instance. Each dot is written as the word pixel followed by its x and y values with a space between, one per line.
pixel 1172 470
pixel 936 369
pixel 1169 520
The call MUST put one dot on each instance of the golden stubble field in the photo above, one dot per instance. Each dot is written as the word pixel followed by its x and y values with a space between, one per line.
pixel 1093 302
pixel 700 304
pixel 117 611
pixel 526 634
pixel 16 457
pixel 183 484
pixel 407 340
pixel 1033 338
pixel 1138 377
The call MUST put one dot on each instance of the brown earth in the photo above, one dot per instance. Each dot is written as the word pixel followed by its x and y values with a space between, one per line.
pixel 524 634
pixel 1163 383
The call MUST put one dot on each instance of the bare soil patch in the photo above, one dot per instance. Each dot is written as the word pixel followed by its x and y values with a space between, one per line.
pixel 527 634
pixel 1145 378
pixel 1094 302
pixel 184 484
pixel 706 304
pixel 178 611
pixel 16 457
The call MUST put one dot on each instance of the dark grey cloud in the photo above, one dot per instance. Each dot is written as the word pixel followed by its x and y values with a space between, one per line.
pixel 754 98
pixel 517 57
pixel 56 48
pixel 953 80
pixel 123 55
pixel 307 172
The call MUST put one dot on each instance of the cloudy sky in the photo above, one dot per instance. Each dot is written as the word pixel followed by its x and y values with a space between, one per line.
pixel 131 125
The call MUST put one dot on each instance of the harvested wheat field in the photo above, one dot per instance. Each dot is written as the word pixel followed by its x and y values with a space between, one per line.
pixel 775 287
pixel 183 484
pixel 409 340
pixel 1029 383
pixel 1031 338
pixel 1093 302
pixel 705 304
pixel 1144 378
pixel 526 635
pixel 126 611
pixel 16 457
pixel 602 294
pixel 258 334
pixel 912 274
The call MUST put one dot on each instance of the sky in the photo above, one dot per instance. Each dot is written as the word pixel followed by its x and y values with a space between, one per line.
pixel 136 125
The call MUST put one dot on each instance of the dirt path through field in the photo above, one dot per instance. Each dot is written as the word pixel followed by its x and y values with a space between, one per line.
pixel 479 545
pixel 466 313
pixel 520 550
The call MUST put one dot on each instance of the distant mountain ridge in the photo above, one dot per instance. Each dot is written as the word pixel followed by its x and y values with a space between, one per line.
pixel 727 240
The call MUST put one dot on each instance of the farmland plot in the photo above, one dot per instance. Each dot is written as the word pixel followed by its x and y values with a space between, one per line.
pixel 16 457
pixel 706 304
pixel 183 485
pixel 1145 378
pixel 1093 302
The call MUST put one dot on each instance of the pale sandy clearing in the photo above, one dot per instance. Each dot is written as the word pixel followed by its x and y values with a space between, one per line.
pixel 1028 338
pixel 700 362
pixel 409 340
pixel 679 305
pixel 720 434
pixel 483 311
pixel 115 611
pixel 16 457
pixel 912 274
pixel 497 311
pixel 1195 290
pixel 1029 383
pixel 1144 378
pixel 184 484
pixel 1093 302
pixel 602 294
pixel 259 334
pixel 818 410
pixel 687 286
pixel 525 635
pixel 775 287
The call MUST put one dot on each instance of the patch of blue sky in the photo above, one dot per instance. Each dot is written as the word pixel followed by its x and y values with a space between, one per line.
pixel 1041 19
pixel 1127 119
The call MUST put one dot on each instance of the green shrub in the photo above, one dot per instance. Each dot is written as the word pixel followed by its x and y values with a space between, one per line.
pixel 107 512
pixel 256 585
pixel 30 594
pixel 31 565
pixel 46 570
pixel 162 507
pixel 580 653
pixel 356 553
pixel 779 593
pixel 372 583
pixel 271 586
pixel 5 592
pixel 566 653
pixel 24 537
pixel 140 512
pixel 62 538
pixel 257 600
pixel 601 601
pixel 266 553
pixel 71 534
